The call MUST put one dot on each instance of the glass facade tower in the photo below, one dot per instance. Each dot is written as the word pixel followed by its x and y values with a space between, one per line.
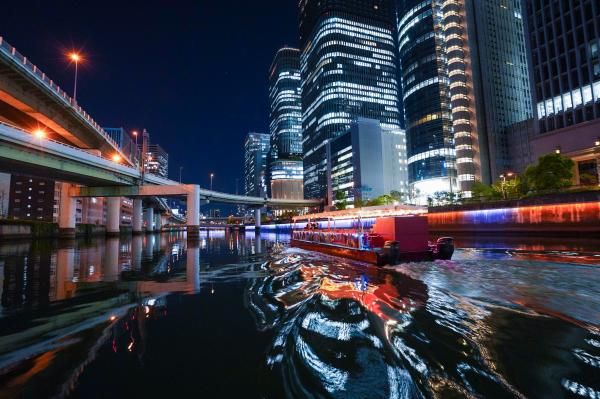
pixel 349 70
pixel 502 81
pixel 426 98
pixel 285 176
pixel 464 74
pixel 256 149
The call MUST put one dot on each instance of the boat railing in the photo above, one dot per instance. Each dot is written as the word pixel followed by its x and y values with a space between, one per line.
pixel 346 238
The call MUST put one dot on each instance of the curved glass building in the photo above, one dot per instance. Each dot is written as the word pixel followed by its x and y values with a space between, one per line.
pixel 349 70
pixel 426 98
pixel 286 179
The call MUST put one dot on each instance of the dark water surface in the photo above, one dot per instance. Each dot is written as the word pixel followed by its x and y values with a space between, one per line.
pixel 240 316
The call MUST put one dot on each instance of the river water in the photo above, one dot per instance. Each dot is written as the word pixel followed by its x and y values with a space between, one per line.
pixel 243 316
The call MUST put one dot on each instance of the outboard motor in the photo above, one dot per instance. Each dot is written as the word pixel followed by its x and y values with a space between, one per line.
pixel 445 248
pixel 391 249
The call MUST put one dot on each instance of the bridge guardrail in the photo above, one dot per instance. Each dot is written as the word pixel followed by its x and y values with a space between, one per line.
pixel 33 70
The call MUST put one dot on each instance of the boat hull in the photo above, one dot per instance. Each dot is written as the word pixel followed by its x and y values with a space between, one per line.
pixel 368 256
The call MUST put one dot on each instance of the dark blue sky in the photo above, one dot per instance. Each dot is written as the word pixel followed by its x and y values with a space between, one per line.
pixel 194 73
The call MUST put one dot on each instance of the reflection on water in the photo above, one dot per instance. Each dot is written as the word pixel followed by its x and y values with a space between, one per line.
pixel 235 315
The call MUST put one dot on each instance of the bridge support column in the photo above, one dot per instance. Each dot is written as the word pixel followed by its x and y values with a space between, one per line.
pixel 157 222
pixel 193 214
pixel 113 216
pixel 66 212
pixel 257 215
pixel 138 212
pixel 149 218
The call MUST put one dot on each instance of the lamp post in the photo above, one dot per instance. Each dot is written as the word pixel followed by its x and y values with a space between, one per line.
pixel 180 173
pixel 137 150
pixel 503 177
pixel 76 58
pixel 211 180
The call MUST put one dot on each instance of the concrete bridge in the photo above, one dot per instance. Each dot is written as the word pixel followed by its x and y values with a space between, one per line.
pixel 30 99
pixel 76 150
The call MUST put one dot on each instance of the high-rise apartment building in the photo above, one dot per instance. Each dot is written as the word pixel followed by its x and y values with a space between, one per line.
pixel 156 161
pixel 349 70
pixel 285 172
pixel 464 75
pixel 564 40
pixel 256 149
pixel 31 198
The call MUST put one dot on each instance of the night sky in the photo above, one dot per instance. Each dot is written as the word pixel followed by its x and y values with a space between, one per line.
pixel 194 73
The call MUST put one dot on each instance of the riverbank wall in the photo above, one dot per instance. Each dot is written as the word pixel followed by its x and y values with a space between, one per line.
pixel 568 214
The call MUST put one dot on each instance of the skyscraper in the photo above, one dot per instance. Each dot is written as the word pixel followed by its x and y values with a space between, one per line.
pixel 256 148
pixel 564 41
pixel 465 81
pixel 285 176
pixel 565 47
pixel 502 84
pixel 349 70
pixel 426 98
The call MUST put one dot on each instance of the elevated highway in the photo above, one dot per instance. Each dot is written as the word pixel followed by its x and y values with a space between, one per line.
pixel 30 99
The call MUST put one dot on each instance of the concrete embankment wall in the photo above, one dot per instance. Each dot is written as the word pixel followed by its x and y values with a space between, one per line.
pixel 565 214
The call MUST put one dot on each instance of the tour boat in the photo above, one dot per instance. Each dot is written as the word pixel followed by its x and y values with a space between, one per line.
pixel 391 240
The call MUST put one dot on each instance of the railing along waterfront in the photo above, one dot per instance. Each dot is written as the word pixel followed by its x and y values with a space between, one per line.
pixel 49 84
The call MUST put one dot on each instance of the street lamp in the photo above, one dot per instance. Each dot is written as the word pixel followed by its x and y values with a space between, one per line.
pixel 597 142
pixel 503 177
pixel 39 134
pixel 76 58
pixel 116 158
pixel 180 173
pixel 211 180
pixel 557 150
pixel 137 151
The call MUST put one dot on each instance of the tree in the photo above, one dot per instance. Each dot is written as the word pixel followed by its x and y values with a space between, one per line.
pixel 397 196
pixel 553 172
pixel 341 200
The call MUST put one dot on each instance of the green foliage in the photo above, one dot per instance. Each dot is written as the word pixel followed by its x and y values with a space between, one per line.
pixel 484 192
pixel 442 198
pixel 341 200
pixel 396 195
pixel 553 172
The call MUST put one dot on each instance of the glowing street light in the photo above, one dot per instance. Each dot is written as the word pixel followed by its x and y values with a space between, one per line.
pixel 116 158
pixel 39 134
pixel 211 180
pixel 76 58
